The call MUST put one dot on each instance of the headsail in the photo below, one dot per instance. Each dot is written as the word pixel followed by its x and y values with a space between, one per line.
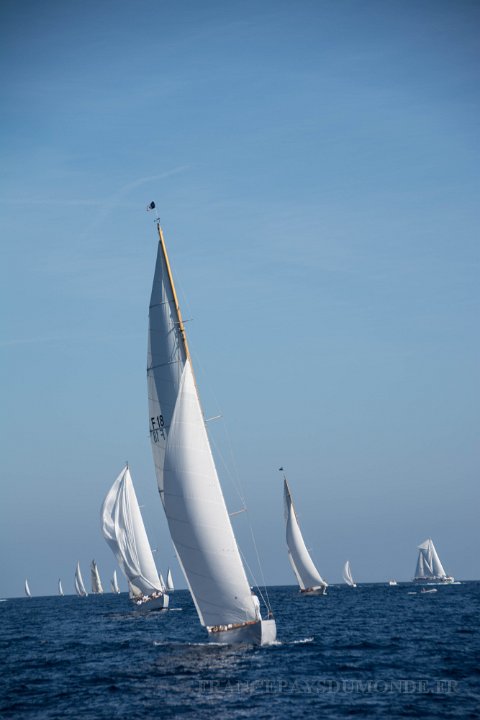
pixel 27 589
pixel 79 586
pixel 170 586
pixel 305 571
pixel 60 588
pixel 187 478
pixel 97 588
pixel 124 531
pixel 347 574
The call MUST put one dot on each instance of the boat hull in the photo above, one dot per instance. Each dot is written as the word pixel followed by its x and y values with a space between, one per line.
pixel 263 632
pixel 314 591
pixel 158 603
pixel 434 581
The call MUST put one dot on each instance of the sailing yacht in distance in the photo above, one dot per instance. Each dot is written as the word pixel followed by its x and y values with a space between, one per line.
pixel 27 589
pixel 114 584
pixel 188 483
pixel 97 588
pixel 123 529
pixel 170 585
pixel 79 585
pixel 308 577
pixel 429 568
pixel 60 588
pixel 347 575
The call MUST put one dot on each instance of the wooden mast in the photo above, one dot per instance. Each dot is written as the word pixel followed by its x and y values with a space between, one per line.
pixel 181 325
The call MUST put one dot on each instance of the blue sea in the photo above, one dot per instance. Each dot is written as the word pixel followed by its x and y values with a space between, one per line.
pixel 374 651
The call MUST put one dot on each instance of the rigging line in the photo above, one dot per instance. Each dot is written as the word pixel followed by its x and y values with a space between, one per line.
pixel 255 583
pixel 260 564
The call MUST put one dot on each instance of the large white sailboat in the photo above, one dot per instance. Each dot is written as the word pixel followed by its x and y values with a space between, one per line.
pixel 97 588
pixel 123 529
pixel 27 589
pixel 187 478
pixel 429 568
pixel 347 575
pixel 79 584
pixel 308 577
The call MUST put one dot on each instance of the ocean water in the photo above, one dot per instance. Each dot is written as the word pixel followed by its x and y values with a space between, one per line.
pixel 374 651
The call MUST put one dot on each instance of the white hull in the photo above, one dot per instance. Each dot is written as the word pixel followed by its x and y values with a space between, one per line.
pixel 314 591
pixel 159 603
pixel 263 632
pixel 435 581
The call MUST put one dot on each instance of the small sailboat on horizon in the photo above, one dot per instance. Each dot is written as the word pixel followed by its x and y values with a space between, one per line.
pixel 123 529
pixel 429 568
pixel 79 584
pixel 114 584
pixel 97 587
pixel 347 575
pixel 60 588
pixel 308 577
pixel 190 490
pixel 170 585
pixel 27 589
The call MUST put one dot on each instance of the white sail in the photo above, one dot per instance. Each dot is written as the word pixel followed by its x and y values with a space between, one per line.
pixel 79 586
pixel 27 589
pixel 124 531
pixel 114 583
pixel 170 586
pixel 429 566
pixel 187 478
pixel 97 588
pixel 305 571
pixel 347 574
pixel 162 582
pixel 60 588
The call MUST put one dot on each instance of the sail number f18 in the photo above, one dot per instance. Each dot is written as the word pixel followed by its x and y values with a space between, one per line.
pixel 157 427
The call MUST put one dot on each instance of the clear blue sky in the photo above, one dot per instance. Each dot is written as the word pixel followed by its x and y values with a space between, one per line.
pixel 316 165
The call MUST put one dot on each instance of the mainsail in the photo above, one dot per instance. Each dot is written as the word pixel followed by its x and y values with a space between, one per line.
pixel 187 478
pixel 27 589
pixel 305 571
pixel 124 531
pixel 60 588
pixel 114 583
pixel 170 586
pixel 97 588
pixel 429 566
pixel 79 586
pixel 347 574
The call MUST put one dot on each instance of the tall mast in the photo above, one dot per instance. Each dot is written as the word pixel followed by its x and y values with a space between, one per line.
pixel 181 325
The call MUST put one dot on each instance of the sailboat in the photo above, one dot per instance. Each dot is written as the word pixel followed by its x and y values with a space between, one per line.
pixel 347 575
pixel 170 585
pixel 124 531
pixel 79 585
pixel 308 577
pixel 27 589
pixel 429 568
pixel 188 483
pixel 60 588
pixel 97 588
pixel 114 584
